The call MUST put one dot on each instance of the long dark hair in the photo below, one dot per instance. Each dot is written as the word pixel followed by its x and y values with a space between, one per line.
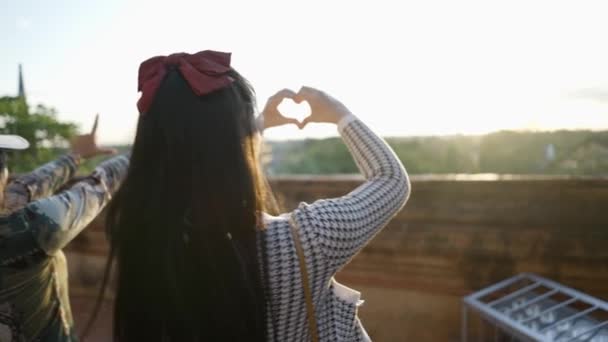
pixel 183 228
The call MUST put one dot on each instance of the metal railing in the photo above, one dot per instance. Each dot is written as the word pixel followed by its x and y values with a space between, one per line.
pixel 527 307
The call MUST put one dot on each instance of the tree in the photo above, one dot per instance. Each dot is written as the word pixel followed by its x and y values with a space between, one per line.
pixel 47 135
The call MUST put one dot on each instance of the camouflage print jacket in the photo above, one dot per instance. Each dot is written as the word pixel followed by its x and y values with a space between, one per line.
pixel 34 303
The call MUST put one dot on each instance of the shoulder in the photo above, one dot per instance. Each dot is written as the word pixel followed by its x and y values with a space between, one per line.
pixel 10 225
pixel 47 211
pixel 280 224
pixel 17 241
pixel 279 238
pixel 38 221
pixel 274 226
pixel 14 223
pixel 269 219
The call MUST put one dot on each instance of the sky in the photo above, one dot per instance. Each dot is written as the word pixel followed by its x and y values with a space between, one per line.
pixel 406 68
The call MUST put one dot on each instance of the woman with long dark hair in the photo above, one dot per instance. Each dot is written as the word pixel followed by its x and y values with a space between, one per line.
pixel 198 255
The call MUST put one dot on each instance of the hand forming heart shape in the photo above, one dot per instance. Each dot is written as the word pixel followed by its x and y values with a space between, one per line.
pixel 307 106
pixel 292 110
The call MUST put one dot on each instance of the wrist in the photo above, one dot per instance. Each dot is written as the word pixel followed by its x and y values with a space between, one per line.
pixel 76 158
pixel 345 120
pixel 259 123
pixel 340 112
pixel 341 115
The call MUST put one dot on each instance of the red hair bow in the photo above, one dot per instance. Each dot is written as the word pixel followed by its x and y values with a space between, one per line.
pixel 205 71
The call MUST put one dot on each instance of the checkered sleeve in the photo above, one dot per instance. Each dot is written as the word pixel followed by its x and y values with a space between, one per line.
pixel 343 226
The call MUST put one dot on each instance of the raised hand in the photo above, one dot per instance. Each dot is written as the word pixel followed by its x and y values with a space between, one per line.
pixel 271 117
pixel 323 107
pixel 85 145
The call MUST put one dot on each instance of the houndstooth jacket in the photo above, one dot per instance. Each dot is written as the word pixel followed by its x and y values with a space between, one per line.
pixel 331 232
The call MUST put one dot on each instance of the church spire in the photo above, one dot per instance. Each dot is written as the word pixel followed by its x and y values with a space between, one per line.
pixel 21 85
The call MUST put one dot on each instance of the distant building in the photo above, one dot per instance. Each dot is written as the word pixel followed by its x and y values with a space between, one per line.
pixel 21 92
pixel 12 104
pixel 550 153
pixel 20 89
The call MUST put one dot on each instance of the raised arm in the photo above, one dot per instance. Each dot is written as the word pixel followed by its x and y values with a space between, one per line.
pixel 343 226
pixel 49 178
pixel 54 221
pixel 42 182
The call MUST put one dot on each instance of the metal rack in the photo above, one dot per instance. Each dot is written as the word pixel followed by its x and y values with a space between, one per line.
pixel 527 307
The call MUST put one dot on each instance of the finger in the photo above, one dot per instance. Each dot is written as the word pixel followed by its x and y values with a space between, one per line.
pixel 305 122
pixel 286 93
pixel 94 130
pixel 282 94
pixel 292 121
pixel 304 94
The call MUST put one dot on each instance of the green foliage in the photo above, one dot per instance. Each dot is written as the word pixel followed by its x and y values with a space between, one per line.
pixel 576 153
pixel 507 152
pixel 48 137
pixel 525 152
pixel 456 154
pixel 311 157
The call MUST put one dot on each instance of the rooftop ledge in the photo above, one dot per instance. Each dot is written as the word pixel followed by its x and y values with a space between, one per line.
pixel 478 177
pixel 458 233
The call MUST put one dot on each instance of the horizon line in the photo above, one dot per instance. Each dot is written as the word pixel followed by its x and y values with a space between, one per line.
pixel 529 131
